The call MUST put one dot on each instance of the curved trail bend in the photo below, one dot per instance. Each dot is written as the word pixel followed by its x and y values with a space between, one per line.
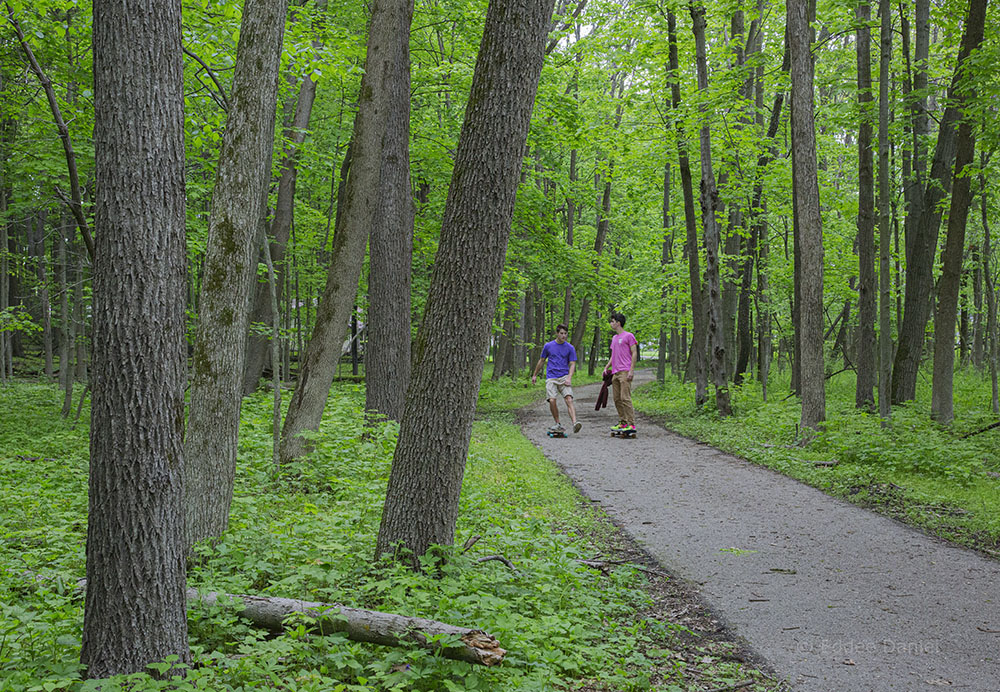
pixel 833 597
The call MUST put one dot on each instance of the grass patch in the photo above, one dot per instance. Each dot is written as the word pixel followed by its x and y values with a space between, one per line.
pixel 914 470
pixel 309 532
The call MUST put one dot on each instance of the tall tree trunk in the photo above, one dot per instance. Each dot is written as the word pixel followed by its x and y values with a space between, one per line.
pixel 387 356
pixel 809 229
pixel 666 257
pixel 710 224
pixel 991 295
pixel 351 232
pixel 230 271
pixel 45 305
pixel 884 214
pixel 697 368
pixel 421 504
pixel 866 365
pixel 135 608
pixel 281 227
pixel 920 264
pixel 66 324
pixel 79 316
pixel 950 284
pixel 915 179
pixel 978 324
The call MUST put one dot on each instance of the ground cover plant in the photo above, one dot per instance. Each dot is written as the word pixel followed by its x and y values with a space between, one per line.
pixel 931 476
pixel 308 531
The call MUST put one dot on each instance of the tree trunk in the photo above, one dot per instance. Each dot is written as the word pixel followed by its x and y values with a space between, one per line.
pixel 920 267
pixel 230 271
pixel 699 317
pixel 809 230
pixel 991 295
pixel 387 356
pixel 281 228
pixel 134 611
pixel 885 215
pixel 978 325
pixel 865 366
pixel 67 334
pixel 45 305
pixel 351 232
pixel 665 259
pixel 950 283
pixel 421 504
pixel 710 224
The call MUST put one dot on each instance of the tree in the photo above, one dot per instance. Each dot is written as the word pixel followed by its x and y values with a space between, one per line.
pixel 230 269
pixel 942 403
pixel 353 227
pixel 710 228
pixel 387 357
pixel 809 229
pixel 884 214
pixel 866 356
pixel 421 504
pixel 135 611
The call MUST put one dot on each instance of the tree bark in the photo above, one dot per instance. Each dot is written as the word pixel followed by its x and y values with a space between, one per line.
pixel 696 364
pixel 866 359
pixel 710 224
pixel 387 356
pixel 230 270
pixel 991 295
pixel 884 215
pixel 809 229
pixel 421 504
pixel 45 305
pixel 134 612
pixel 920 264
pixel 352 230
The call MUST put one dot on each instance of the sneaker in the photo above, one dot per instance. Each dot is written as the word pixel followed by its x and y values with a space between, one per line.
pixel 557 428
pixel 628 428
pixel 577 426
pixel 618 427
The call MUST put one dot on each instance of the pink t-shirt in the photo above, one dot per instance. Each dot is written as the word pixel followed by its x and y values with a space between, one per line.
pixel 621 351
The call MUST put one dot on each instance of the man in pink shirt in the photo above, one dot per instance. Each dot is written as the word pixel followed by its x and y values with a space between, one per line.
pixel 622 367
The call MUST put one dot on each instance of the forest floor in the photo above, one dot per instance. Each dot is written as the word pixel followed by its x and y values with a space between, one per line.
pixel 827 595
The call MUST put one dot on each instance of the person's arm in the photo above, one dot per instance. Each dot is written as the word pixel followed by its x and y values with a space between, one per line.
pixel 572 369
pixel 538 366
pixel 635 356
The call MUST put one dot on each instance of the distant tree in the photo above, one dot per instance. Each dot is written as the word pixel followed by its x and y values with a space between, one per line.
pixel 229 270
pixel 884 215
pixel 866 359
pixel 135 609
pixel 421 504
pixel 809 228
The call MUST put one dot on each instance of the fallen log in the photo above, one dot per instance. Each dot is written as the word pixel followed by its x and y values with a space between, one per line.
pixel 459 643
pixel 371 626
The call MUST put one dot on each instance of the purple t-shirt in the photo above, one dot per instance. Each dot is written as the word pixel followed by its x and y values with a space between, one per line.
pixel 559 356
pixel 621 351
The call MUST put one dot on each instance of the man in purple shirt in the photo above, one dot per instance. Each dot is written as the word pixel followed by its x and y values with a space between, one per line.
pixel 561 363
pixel 622 366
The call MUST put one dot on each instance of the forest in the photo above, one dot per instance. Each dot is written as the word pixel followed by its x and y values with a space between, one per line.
pixel 259 262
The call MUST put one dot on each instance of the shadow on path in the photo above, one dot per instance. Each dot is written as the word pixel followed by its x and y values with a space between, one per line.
pixel 832 596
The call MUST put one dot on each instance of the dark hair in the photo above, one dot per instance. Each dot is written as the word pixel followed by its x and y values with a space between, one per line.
pixel 617 317
pixel 562 327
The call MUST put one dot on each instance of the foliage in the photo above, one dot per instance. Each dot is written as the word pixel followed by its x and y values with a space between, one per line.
pixel 915 469
pixel 308 532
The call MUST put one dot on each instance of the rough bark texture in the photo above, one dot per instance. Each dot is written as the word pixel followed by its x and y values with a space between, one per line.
pixel 696 364
pixel 884 214
pixel 351 232
pixel 229 271
pixel 421 503
pixel 950 284
pixel 373 627
pixel 387 355
pixel 866 358
pixel 920 264
pixel 809 227
pixel 258 346
pixel 135 606
pixel 710 227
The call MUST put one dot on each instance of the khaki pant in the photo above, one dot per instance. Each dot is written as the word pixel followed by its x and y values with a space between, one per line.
pixel 621 390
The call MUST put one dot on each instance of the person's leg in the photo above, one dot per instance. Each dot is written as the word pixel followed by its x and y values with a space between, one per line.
pixel 555 410
pixel 628 413
pixel 616 394
pixel 572 414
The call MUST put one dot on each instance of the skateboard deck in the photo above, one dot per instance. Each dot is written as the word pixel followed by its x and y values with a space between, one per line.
pixel 555 433
pixel 624 434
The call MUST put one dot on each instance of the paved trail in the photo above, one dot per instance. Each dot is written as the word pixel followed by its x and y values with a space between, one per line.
pixel 834 597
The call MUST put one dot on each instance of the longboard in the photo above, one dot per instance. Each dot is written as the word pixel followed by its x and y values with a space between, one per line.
pixel 624 434
pixel 554 433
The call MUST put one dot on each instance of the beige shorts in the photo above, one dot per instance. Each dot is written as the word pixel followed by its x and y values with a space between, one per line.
pixel 557 387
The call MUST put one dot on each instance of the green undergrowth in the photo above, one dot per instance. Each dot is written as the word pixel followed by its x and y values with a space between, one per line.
pixel 916 470
pixel 309 532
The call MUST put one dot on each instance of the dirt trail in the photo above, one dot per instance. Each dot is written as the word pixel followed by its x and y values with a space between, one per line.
pixel 832 596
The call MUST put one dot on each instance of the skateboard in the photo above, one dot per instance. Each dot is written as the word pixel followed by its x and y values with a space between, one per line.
pixel 624 434
pixel 555 433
